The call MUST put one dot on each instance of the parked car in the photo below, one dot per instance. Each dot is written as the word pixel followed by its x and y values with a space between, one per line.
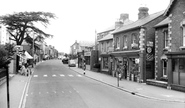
pixel 65 61
pixel 72 63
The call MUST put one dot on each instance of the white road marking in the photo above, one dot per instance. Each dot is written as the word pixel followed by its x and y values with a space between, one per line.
pixel 47 92
pixel 70 75
pixel 54 75
pixel 70 92
pixel 167 95
pixel 62 75
pixel 31 93
pixel 45 75
pixel 35 75
pixel 139 89
pixel 79 75
pixel 39 93
pixel 62 91
pixel 54 91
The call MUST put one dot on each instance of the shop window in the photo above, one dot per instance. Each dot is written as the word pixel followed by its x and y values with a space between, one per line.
pixel 125 42
pixel 182 65
pixel 105 63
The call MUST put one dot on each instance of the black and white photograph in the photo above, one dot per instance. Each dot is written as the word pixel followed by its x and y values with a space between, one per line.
pixel 92 54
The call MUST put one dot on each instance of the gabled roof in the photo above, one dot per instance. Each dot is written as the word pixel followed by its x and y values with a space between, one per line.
pixel 164 22
pixel 111 28
pixel 107 37
pixel 169 7
pixel 139 22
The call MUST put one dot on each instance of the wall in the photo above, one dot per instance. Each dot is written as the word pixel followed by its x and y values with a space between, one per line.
pixel 177 17
pixel 160 46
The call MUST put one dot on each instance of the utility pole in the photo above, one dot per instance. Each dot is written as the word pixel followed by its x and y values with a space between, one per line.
pixel 7 80
pixel 33 50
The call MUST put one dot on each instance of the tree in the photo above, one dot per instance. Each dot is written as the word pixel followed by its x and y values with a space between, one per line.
pixel 22 24
pixel 6 51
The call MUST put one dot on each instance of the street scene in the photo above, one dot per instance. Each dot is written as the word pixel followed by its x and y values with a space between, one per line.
pixel 95 54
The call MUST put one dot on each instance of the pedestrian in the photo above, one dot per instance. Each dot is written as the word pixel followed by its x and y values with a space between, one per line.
pixel 84 67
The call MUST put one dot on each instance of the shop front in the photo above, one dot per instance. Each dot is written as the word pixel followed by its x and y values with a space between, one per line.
pixel 128 61
pixel 87 56
pixel 105 58
pixel 176 68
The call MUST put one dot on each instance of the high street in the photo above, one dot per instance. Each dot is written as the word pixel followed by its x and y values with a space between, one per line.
pixel 54 85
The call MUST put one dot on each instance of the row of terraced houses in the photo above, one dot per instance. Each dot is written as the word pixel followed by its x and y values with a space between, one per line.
pixel 149 50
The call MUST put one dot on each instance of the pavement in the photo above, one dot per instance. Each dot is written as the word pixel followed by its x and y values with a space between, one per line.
pixel 19 83
pixel 135 88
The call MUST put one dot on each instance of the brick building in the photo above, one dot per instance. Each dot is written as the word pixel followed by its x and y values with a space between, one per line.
pixel 134 46
pixel 105 43
pixel 170 46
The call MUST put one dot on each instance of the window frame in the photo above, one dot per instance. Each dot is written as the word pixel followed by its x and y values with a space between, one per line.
pixel 117 42
pixel 166 39
pixel 125 41
pixel 183 35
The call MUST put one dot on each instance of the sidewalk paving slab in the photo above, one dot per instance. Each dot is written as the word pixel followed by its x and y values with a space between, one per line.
pixel 135 88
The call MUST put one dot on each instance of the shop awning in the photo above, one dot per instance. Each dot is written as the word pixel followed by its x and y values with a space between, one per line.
pixel 28 56
pixel 126 53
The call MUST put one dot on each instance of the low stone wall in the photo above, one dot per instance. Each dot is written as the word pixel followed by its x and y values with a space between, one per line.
pixel 178 87
pixel 157 83
pixel 2 76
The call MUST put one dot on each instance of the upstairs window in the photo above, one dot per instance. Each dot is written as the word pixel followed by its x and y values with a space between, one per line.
pixel 125 42
pixel 102 46
pixel 166 43
pixel 134 40
pixel 117 42
pixel 183 33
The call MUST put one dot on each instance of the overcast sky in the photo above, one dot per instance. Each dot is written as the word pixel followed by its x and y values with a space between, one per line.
pixel 78 19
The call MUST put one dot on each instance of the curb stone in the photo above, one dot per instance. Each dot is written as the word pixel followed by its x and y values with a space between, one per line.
pixel 132 92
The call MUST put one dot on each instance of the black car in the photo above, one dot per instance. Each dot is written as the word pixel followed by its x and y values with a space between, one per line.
pixel 65 61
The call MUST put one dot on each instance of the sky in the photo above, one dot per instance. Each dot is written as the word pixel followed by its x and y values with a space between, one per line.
pixel 77 20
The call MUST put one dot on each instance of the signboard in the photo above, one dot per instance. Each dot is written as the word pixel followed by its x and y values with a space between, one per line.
pixel 87 54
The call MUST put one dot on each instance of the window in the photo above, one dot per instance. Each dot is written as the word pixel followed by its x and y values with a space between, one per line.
pixel 165 38
pixel 102 47
pixel 105 63
pixel 124 42
pixel 183 28
pixel 134 40
pixel 107 46
pixel 164 68
pixel 117 42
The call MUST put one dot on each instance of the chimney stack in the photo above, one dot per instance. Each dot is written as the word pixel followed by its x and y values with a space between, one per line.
pixel 143 12
pixel 122 19
pixel 124 16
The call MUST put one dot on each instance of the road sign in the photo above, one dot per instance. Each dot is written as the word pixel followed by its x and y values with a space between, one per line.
pixel 18 48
